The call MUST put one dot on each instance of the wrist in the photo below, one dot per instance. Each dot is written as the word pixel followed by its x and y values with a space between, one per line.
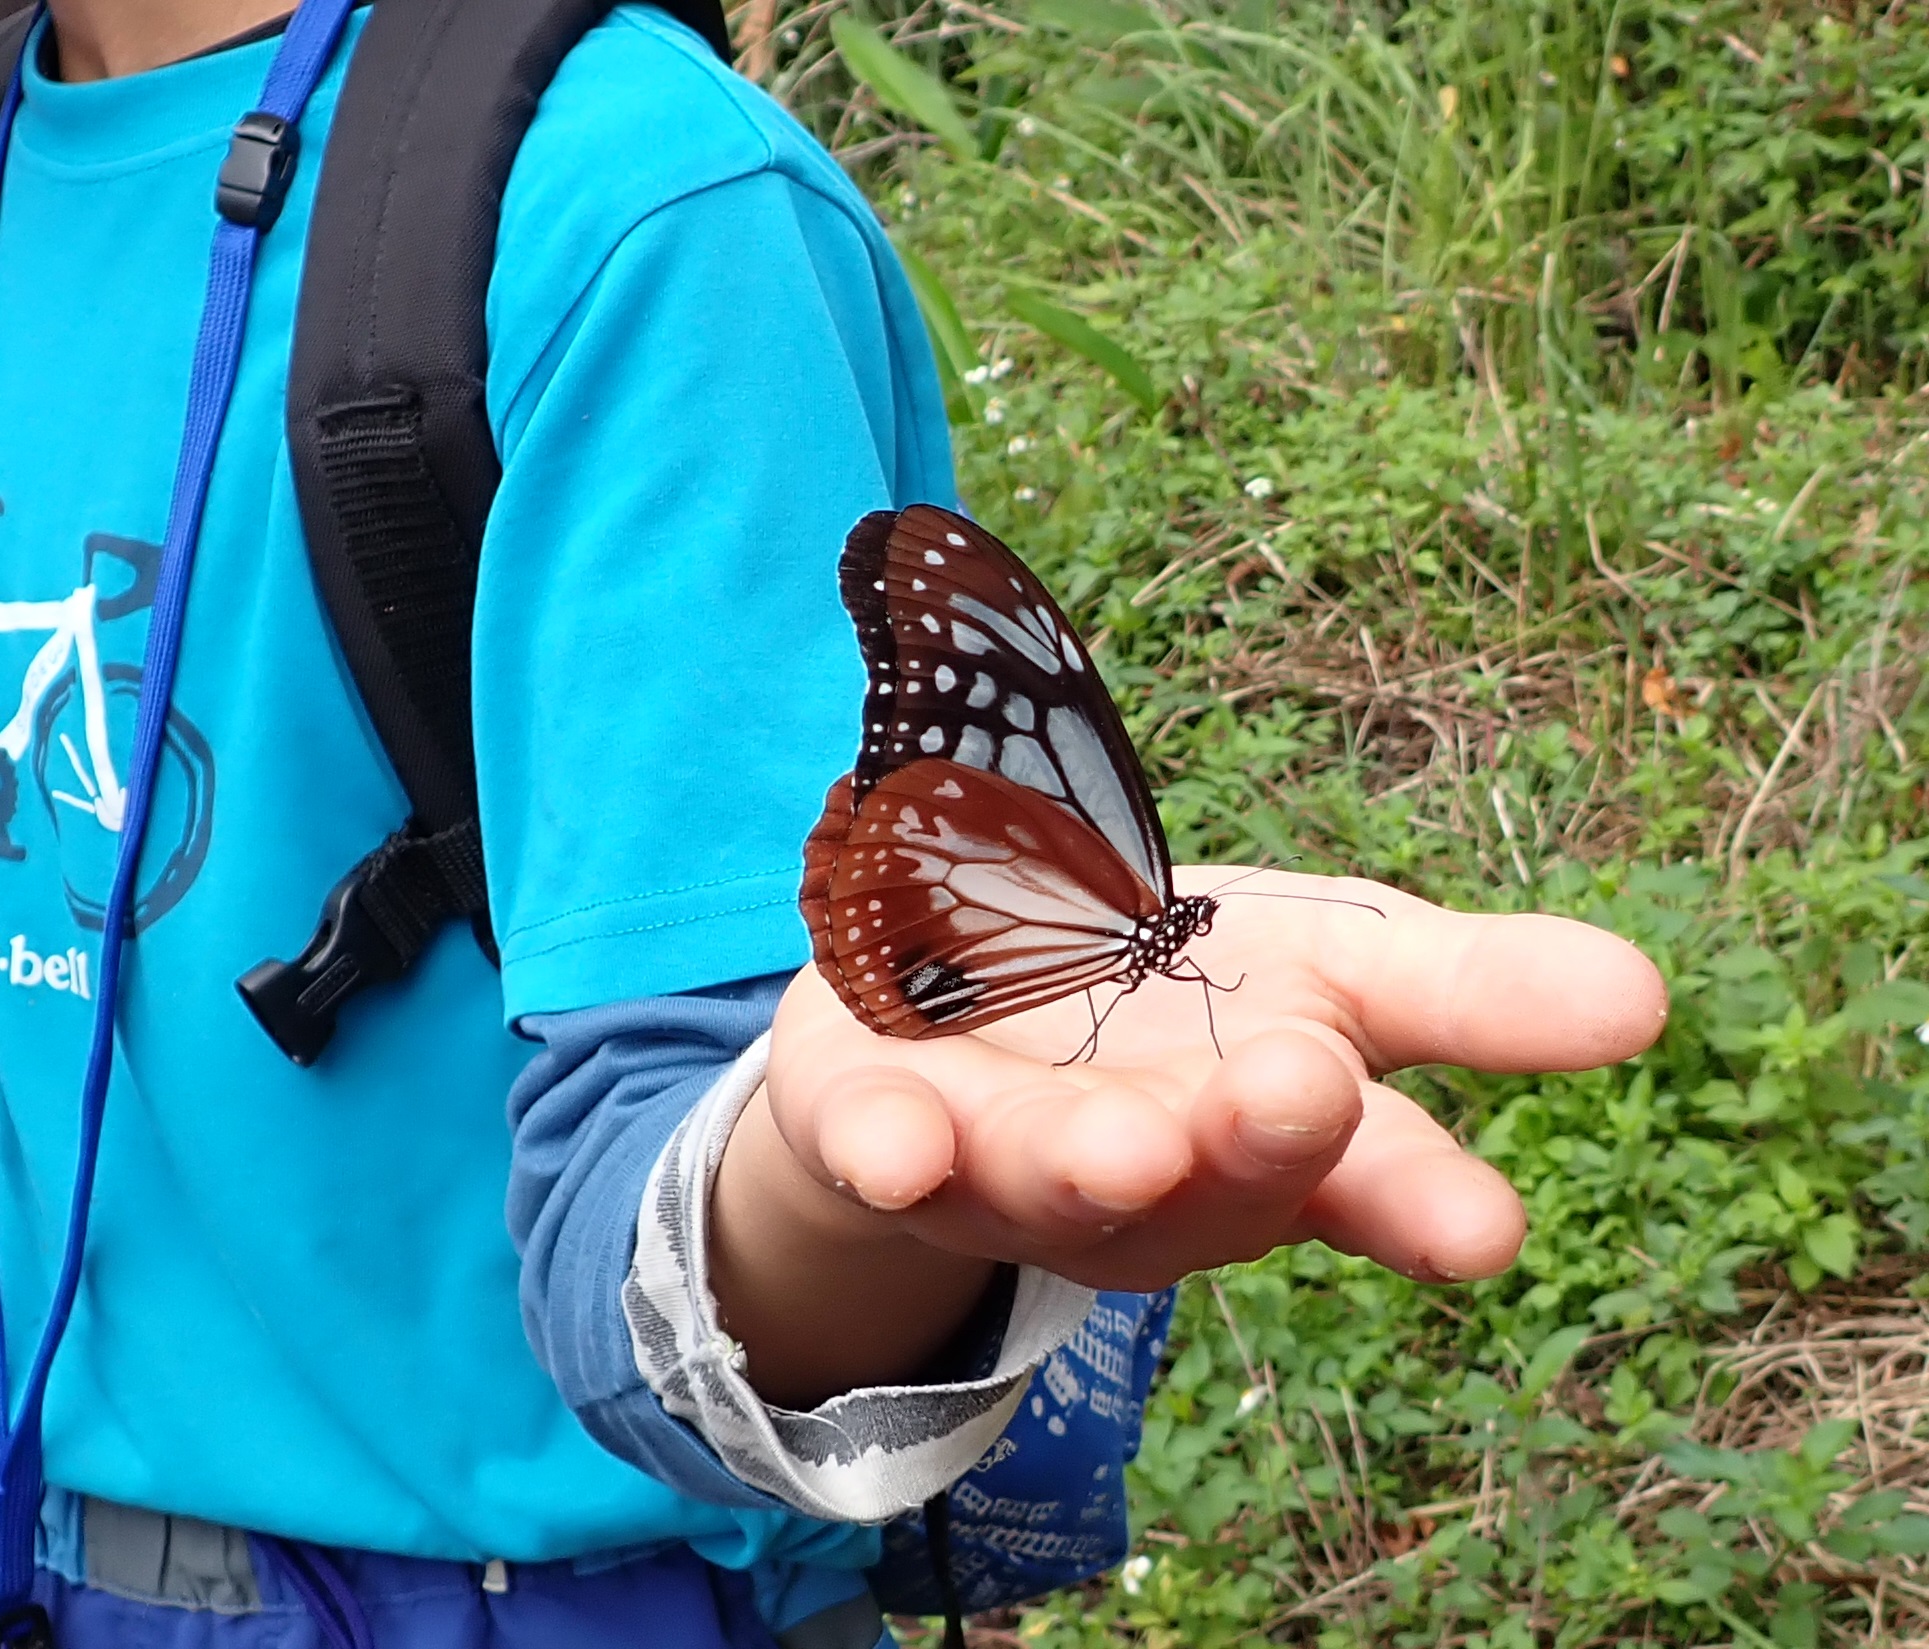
pixel 823 1293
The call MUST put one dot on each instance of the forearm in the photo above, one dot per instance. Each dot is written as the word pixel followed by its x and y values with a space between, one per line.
pixel 821 1293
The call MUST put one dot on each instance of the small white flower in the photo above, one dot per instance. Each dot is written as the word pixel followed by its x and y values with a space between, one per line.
pixel 1260 486
pixel 1001 368
pixel 908 199
pixel 1062 182
pixel 1132 1576
pixel 791 37
pixel 1922 1034
pixel 1025 495
pixel 1249 1400
pixel 994 411
pixel 1027 127
pixel 1018 444
pixel 977 375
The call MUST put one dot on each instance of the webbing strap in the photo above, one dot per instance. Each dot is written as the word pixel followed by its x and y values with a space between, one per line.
pixel 299 64
pixel 393 454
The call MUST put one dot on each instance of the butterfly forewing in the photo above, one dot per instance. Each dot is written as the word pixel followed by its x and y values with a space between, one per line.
pixel 945 897
pixel 971 661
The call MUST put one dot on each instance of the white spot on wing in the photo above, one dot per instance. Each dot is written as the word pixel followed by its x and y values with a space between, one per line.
pixel 931 741
pixel 1020 640
pixel 1097 788
pixel 945 677
pixel 983 691
pixel 1024 761
pixel 955 538
pixel 974 748
pixel 968 640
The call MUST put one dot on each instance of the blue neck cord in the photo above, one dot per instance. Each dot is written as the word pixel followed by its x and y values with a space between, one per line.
pixel 299 64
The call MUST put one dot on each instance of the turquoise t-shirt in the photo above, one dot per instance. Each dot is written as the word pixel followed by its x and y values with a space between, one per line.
pixel 300 1304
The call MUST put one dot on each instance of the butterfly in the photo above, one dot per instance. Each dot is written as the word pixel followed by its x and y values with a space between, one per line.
pixel 996 845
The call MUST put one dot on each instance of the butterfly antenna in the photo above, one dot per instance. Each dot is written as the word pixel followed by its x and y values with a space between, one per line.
pixel 1257 870
pixel 1310 899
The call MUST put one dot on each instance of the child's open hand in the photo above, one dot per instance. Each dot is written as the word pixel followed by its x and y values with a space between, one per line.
pixel 1157 1157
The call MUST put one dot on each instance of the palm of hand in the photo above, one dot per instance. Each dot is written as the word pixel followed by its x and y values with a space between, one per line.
pixel 1157 1157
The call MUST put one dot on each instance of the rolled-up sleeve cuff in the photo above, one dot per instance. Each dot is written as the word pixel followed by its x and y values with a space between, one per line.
pixel 863 1457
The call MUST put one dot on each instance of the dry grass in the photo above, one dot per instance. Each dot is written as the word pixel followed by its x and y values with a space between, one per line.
pixel 1859 1353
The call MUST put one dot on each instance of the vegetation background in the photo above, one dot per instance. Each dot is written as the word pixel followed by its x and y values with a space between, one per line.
pixel 1488 440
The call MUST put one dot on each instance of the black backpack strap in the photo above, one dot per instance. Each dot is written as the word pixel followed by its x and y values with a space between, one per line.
pixel 394 463
pixel 16 16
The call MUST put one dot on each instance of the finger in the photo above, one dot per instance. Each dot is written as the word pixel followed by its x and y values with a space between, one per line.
pixel 1268 1124
pixel 1061 1164
pixel 1407 1196
pixel 884 1135
pixel 1277 1109
pixel 1498 993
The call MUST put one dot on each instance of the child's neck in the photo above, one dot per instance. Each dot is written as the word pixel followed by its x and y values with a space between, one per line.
pixel 99 39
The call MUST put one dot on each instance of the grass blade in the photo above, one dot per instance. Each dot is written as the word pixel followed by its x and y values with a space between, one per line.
pixel 950 342
pixel 1077 333
pixel 901 84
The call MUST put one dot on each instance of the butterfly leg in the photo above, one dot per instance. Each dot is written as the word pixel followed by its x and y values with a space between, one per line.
pixel 1209 985
pixel 1088 1049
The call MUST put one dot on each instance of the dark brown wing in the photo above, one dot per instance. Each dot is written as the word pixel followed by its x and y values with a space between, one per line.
pixel 970 659
pixel 950 897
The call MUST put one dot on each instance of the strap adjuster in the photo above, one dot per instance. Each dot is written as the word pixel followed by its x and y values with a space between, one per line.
pixel 26 1627
pixel 260 165
pixel 377 920
pixel 297 1002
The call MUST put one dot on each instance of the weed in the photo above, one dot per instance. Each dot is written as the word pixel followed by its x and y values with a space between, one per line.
pixel 1485 444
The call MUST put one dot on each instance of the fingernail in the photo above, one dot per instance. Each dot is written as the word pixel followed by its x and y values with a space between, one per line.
pixel 1431 1271
pixel 1270 1140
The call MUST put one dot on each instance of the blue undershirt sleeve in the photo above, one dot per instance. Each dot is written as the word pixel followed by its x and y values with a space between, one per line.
pixel 619 1124
pixel 590 1116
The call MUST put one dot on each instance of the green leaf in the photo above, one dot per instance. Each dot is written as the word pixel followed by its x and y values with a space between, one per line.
pixel 901 84
pixel 1907 1536
pixel 1827 1440
pixel 1100 20
pixel 1553 1355
pixel 1077 333
pixel 1682 1523
pixel 1874 1508
pixel 1706 1465
pixel 1894 1002
pixel 950 342
pixel 1832 1244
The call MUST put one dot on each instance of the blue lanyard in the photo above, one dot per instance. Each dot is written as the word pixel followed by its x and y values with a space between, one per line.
pixel 253 180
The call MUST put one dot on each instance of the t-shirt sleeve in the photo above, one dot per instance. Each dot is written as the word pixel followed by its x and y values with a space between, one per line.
pixel 665 679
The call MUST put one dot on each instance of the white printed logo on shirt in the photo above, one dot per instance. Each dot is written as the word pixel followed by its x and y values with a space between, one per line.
pixel 26 969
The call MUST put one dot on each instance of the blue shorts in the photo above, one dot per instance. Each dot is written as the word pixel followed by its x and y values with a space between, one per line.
pixel 143 1581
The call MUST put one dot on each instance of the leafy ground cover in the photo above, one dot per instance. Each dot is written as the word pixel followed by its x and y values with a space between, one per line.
pixel 1488 444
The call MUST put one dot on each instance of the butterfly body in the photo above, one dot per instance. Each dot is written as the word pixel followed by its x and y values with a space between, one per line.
pixel 996 845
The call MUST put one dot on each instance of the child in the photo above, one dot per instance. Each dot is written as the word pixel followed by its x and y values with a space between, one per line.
pixel 777 1289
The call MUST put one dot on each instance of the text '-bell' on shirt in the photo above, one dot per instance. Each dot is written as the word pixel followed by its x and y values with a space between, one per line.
pixel 300 1310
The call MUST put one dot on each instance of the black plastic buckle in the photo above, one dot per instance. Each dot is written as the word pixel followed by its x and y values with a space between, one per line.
pixel 26 1627
pixel 260 165
pixel 297 1001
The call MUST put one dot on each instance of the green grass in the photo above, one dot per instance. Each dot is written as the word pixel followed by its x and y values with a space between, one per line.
pixel 1487 444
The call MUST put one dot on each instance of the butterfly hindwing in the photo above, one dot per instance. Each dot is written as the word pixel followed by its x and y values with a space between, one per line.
pixel 946 897
pixel 971 661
